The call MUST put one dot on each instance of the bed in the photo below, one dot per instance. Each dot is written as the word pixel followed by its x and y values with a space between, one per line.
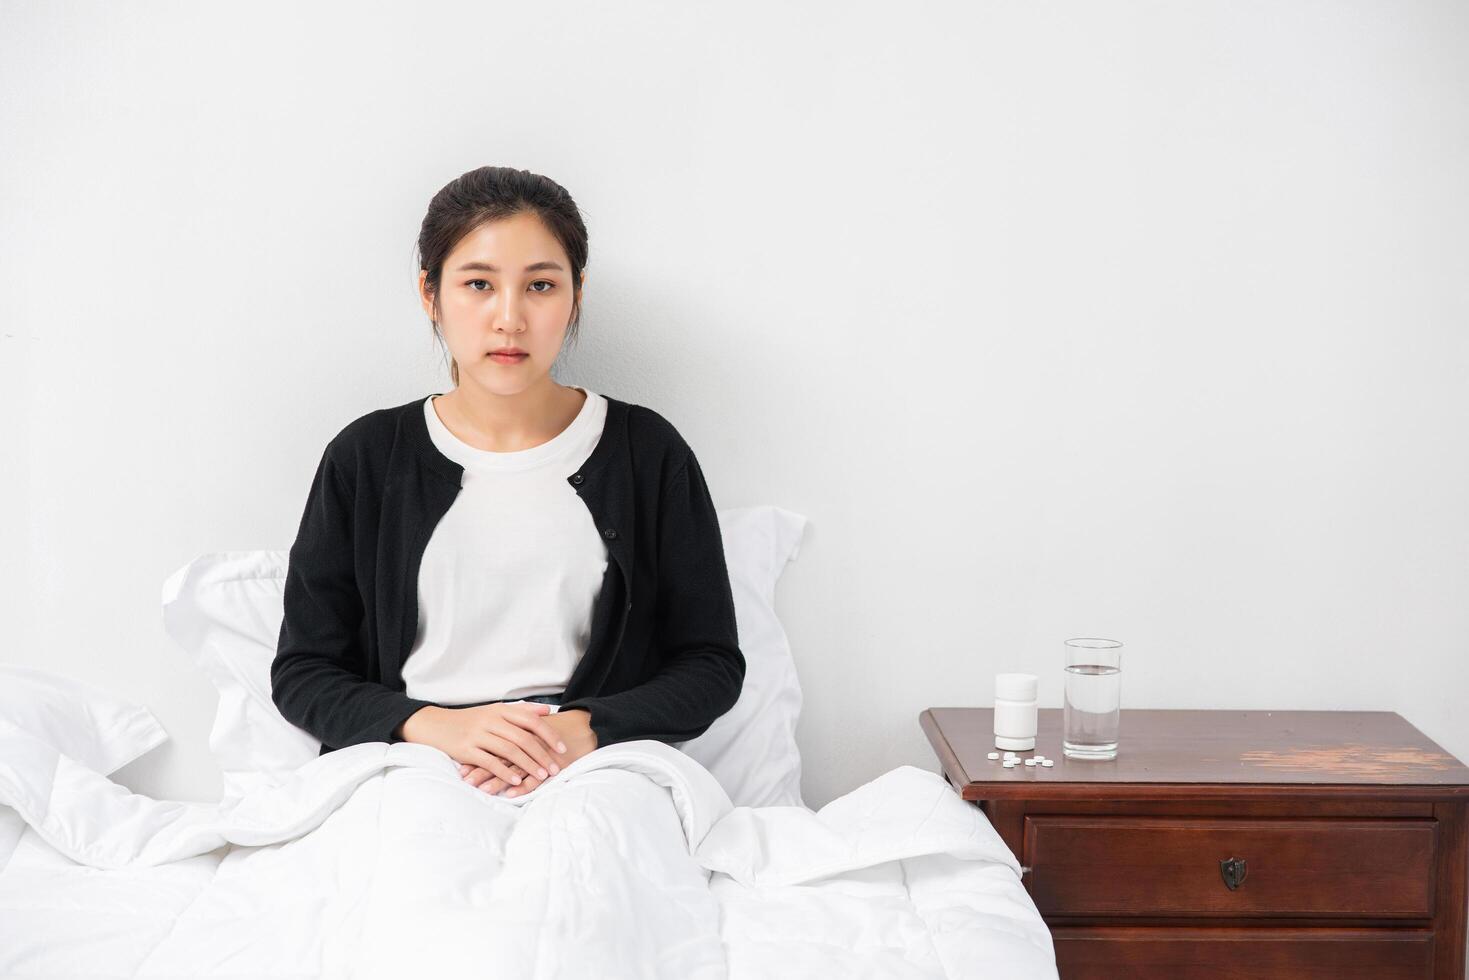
pixel 640 860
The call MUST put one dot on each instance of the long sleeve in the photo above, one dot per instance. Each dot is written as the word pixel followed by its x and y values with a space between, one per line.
pixel 318 677
pixel 701 669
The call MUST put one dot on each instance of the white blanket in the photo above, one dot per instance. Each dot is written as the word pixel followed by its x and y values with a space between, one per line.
pixel 377 860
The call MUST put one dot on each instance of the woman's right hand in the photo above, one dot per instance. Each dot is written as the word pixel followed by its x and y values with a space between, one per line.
pixel 491 736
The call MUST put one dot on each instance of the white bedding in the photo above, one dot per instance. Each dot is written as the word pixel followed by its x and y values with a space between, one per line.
pixel 377 860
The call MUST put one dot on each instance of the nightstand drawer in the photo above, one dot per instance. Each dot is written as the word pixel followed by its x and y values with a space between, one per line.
pixel 1161 866
pixel 1243 954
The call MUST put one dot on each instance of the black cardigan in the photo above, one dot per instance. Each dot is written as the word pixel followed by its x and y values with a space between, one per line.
pixel 663 660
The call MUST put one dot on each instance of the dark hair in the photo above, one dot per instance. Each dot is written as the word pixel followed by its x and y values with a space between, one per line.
pixel 489 194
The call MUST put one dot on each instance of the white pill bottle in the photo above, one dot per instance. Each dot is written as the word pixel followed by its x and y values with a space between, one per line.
pixel 1015 711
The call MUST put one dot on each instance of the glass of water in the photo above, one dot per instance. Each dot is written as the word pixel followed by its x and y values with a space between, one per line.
pixel 1093 698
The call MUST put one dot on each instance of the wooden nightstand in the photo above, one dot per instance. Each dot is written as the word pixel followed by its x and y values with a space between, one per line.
pixel 1238 844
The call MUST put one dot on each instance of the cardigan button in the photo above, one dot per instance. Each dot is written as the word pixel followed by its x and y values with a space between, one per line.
pixel 576 478
pixel 610 533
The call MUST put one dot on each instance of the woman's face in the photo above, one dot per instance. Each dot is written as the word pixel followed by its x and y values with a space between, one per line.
pixel 505 284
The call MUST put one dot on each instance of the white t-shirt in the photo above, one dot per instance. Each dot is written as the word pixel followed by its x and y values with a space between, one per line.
pixel 511 572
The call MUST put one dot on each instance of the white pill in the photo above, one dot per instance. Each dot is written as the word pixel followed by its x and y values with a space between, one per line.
pixel 1011 755
pixel 1030 762
pixel 994 755
pixel 1039 757
pixel 1048 763
pixel 1009 763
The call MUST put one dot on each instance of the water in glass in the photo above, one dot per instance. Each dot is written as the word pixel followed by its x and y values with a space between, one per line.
pixel 1093 710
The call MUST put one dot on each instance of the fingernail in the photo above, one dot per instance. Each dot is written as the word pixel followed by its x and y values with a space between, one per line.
pixel 560 746
pixel 541 773
pixel 515 780
pixel 510 792
pixel 555 769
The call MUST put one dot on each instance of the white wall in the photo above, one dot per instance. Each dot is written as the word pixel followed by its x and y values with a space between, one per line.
pixel 1138 320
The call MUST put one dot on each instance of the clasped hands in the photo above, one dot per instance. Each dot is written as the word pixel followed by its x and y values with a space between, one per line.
pixel 512 746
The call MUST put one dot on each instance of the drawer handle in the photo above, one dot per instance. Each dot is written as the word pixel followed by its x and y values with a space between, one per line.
pixel 1233 872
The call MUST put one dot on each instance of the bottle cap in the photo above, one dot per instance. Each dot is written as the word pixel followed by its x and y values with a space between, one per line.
pixel 1016 687
pixel 1010 742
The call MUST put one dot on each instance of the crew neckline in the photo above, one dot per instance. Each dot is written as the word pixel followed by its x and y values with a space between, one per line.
pixel 473 457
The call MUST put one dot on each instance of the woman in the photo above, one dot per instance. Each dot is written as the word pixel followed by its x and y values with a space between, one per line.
pixel 468 561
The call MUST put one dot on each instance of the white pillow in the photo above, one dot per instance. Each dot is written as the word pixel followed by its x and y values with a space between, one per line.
pixel 225 610
pixel 751 749
pixel 99 730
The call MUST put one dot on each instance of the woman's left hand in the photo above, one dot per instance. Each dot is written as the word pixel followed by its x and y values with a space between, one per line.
pixel 575 729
